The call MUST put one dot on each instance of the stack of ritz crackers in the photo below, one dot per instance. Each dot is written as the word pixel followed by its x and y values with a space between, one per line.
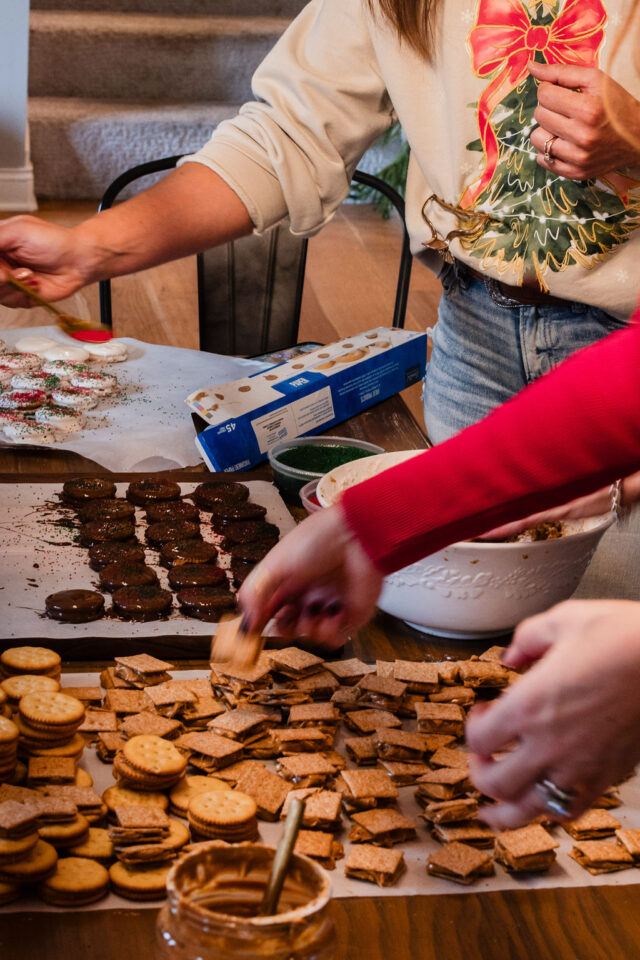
pixel 209 759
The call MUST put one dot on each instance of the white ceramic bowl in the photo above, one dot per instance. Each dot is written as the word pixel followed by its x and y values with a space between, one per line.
pixel 473 590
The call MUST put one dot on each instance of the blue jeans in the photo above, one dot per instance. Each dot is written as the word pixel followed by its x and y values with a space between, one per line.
pixel 484 351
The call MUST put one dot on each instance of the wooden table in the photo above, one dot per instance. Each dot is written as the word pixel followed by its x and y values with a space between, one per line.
pixel 601 923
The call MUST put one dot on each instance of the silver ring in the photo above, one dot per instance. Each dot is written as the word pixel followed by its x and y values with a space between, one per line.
pixel 547 149
pixel 556 800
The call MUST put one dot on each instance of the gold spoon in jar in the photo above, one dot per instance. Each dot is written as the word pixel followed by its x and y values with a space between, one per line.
pixel 282 859
pixel 70 325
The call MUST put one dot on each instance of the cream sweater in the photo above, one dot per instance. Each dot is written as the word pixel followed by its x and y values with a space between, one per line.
pixel 338 78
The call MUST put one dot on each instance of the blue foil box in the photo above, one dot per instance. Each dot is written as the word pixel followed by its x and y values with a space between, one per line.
pixel 307 395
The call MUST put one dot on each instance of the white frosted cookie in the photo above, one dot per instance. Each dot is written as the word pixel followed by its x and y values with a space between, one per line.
pixel 34 344
pixel 11 416
pixel 62 368
pixel 22 399
pixel 30 432
pixel 62 418
pixel 20 361
pixel 111 351
pixel 77 398
pixel 63 352
pixel 102 384
pixel 34 380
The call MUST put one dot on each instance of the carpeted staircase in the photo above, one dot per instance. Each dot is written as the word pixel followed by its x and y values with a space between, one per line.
pixel 116 82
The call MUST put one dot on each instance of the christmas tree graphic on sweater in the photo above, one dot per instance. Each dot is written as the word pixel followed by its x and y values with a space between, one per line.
pixel 535 220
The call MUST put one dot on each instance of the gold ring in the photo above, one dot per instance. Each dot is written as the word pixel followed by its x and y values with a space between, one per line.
pixel 547 149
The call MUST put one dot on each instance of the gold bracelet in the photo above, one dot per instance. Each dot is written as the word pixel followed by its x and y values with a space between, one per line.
pixel 619 508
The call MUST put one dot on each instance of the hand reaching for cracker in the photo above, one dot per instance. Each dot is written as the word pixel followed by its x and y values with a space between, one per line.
pixel 572 719
pixel 317 582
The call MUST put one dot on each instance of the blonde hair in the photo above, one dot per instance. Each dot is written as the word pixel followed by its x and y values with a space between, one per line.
pixel 630 26
pixel 414 21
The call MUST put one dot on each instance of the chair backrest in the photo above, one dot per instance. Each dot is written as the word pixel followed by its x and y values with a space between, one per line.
pixel 250 290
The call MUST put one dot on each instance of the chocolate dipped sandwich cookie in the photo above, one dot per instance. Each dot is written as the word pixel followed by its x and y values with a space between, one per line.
pixel 115 551
pixel 75 606
pixel 169 531
pixel 143 492
pixel 178 552
pixel 213 494
pixel 187 575
pixel 142 603
pixel 206 603
pixel 111 509
pixel 101 531
pixel 122 574
pixel 249 531
pixel 82 489
pixel 224 513
pixel 171 510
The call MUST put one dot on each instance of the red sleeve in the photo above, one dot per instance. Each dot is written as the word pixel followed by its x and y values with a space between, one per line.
pixel 568 434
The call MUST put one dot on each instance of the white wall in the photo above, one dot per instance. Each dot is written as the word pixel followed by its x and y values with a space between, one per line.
pixel 16 174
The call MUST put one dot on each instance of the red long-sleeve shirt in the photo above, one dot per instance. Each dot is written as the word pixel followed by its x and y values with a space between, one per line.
pixel 566 435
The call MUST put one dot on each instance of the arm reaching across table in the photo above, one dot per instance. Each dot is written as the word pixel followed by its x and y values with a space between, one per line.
pixel 565 436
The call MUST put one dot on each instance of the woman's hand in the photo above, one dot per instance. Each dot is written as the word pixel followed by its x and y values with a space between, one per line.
pixel 574 718
pixel 317 582
pixel 47 256
pixel 576 105
pixel 593 505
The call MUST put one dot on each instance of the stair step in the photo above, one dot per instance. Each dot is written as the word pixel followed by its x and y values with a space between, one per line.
pixel 147 57
pixel 221 8
pixel 79 146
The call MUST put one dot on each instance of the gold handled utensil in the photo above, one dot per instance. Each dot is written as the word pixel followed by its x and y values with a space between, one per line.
pixel 70 325
pixel 281 860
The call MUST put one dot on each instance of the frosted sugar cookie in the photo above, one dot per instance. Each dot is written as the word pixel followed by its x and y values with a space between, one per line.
pixel 34 380
pixel 77 398
pixel 34 344
pixel 102 384
pixel 62 418
pixel 22 399
pixel 20 361
pixel 111 351
pixel 62 368
pixel 63 352
pixel 29 432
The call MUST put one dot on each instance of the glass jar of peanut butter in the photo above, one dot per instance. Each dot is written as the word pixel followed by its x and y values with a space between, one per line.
pixel 212 908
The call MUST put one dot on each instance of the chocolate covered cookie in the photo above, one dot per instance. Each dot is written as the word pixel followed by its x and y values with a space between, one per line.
pixel 205 603
pixel 167 531
pixel 224 513
pixel 173 554
pixel 240 572
pixel 122 574
pixel 197 575
pixel 214 493
pixel 100 554
pixel 99 531
pixel 172 510
pixel 250 531
pixel 142 492
pixel 249 552
pixel 75 606
pixel 142 603
pixel 106 510
pixel 82 489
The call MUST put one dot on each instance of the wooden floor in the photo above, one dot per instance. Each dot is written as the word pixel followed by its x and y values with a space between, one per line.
pixel 349 287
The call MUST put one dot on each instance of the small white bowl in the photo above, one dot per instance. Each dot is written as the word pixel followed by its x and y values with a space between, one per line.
pixel 475 590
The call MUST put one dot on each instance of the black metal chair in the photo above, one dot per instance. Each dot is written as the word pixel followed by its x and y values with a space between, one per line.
pixel 250 290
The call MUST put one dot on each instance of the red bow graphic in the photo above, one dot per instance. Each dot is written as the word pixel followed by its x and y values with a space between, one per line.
pixel 503 42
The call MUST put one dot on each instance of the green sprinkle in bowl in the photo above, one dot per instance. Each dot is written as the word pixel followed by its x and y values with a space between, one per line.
pixel 297 462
